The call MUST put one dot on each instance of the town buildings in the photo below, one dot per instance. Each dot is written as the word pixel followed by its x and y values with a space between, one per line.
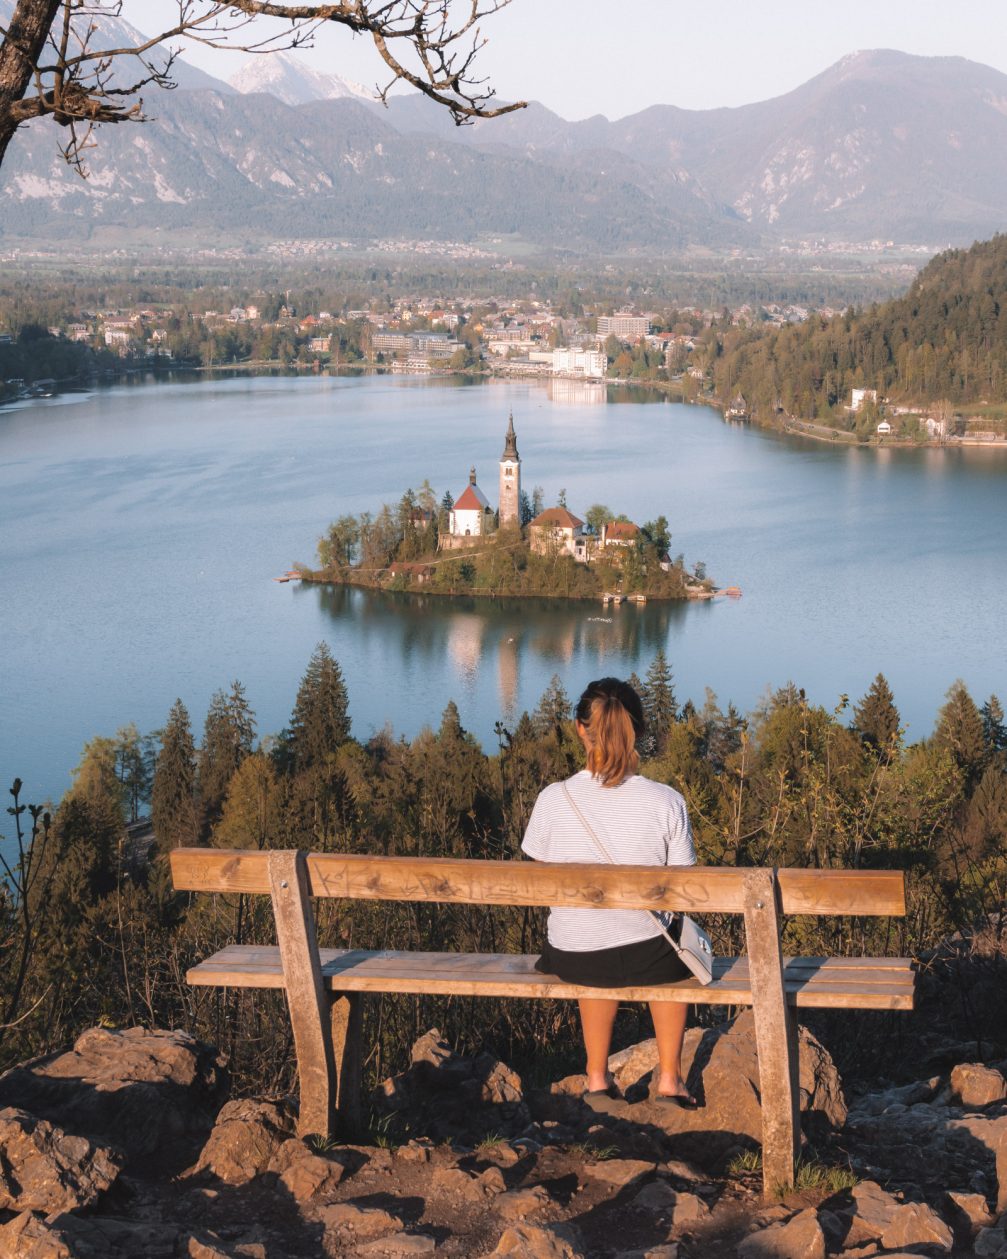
pixel 624 324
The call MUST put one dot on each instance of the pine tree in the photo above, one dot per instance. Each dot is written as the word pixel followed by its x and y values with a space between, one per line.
pixel 960 731
pixel 228 737
pixel 553 708
pixel 320 721
pixel 134 766
pixel 251 812
pixel 172 801
pixel 660 706
pixel 875 718
pixel 994 729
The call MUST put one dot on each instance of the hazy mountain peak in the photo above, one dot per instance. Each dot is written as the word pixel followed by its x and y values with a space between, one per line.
pixel 290 79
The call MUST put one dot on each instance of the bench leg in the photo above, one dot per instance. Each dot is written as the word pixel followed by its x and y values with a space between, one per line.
pixel 347 1021
pixel 306 996
pixel 775 1033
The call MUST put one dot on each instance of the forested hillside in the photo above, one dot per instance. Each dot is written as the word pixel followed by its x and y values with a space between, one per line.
pixel 946 339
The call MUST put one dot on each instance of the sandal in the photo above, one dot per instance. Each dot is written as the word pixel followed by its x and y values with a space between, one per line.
pixel 682 1101
pixel 611 1091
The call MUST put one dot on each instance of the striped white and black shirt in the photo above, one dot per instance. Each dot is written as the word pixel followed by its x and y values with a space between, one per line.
pixel 640 823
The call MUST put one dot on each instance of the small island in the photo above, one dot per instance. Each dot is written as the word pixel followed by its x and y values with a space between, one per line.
pixel 522 548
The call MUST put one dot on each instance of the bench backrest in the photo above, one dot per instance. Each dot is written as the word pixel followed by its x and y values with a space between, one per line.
pixel 697 889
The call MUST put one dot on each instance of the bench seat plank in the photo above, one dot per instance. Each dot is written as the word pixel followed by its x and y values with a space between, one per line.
pixel 860 983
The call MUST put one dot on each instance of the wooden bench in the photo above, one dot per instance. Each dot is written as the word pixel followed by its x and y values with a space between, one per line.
pixel 324 986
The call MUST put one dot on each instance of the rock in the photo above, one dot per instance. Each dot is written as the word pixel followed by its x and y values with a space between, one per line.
pixel 722 1067
pixel 361 1223
pixel 681 1170
pixel 680 1209
pixel 245 1138
pixel 146 1092
pixel 619 1171
pixel 414 1152
pixel 505 1155
pixel 937 1148
pixel 992 1135
pixel 669 1250
pixel 310 1176
pixel 456 1181
pixel 205 1246
pixel 800 1237
pixel 28 1236
pixel 98 1237
pixel 398 1244
pixel 970 1209
pixel 525 1241
pixel 492 1181
pixel 870 1214
pixel 991 1243
pixel 448 1097
pixel 44 1169
pixel 906 1095
pixel 518 1203
pixel 916 1224
pixel 975 1085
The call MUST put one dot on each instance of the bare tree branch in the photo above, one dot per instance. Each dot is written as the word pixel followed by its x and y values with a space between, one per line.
pixel 53 64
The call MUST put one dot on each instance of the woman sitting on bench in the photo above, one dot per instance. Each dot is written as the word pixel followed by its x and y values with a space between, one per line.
pixel 607 812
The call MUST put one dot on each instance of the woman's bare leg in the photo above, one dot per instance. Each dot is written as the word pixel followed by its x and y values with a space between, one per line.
pixel 597 1017
pixel 669 1028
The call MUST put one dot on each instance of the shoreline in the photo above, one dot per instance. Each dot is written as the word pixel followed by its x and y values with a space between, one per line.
pixel 789 425
pixel 701 596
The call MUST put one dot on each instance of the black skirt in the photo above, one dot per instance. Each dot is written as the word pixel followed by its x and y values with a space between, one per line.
pixel 642 963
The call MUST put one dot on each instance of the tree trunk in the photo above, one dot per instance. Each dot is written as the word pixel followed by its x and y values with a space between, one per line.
pixel 20 52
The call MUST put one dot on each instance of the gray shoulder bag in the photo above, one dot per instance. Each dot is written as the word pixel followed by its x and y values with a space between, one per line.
pixel 689 941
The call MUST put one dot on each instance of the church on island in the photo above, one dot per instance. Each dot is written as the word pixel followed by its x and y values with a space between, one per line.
pixel 555 530
pixel 471 517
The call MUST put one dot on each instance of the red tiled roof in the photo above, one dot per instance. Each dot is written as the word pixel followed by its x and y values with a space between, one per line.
pixel 621 531
pixel 472 500
pixel 557 518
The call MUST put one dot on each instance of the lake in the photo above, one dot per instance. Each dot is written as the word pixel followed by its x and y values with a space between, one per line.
pixel 141 527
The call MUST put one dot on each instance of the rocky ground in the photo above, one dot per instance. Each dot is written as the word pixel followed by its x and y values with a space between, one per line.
pixel 126 1146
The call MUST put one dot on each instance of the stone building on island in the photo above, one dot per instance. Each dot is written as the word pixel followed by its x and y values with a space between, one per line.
pixel 471 517
pixel 557 529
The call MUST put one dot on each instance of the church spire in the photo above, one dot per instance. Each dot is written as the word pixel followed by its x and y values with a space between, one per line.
pixel 510 480
pixel 510 445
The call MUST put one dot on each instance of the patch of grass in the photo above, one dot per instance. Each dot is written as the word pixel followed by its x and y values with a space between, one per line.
pixel 381 1133
pixel 810 1174
pixel 745 1163
pixel 322 1144
pixel 490 1142
pixel 600 1153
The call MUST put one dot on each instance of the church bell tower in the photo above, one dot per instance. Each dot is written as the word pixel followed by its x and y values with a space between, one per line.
pixel 510 480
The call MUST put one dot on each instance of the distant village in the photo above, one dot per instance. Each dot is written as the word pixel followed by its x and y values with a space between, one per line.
pixel 414 335
pixel 575 354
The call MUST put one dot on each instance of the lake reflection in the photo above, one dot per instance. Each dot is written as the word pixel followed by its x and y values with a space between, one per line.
pixel 501 649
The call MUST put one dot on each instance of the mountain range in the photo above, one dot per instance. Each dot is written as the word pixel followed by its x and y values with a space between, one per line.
pixel 882 145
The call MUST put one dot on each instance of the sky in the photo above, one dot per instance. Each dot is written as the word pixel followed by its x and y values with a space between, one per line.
pixel 583 57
